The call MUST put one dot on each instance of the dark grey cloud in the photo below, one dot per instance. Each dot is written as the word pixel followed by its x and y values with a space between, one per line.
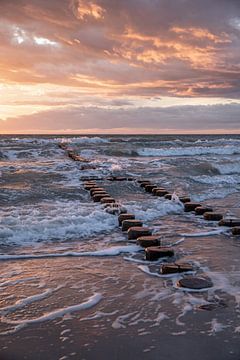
pixel 196 118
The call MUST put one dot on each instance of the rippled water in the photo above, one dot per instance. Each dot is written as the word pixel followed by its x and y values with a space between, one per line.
pixel 65 261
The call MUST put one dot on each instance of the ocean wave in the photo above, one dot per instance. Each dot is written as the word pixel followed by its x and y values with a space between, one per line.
pixel 120 151
pixel 152 209
pixel 212 168
pixel 54 140
pixel 2 156
pixel 83 140
pixel 206 233
pixel 88 153
pixel 60 220
pixel 217 180
pixel 189 151
pixel 218 141
pixel 220 193
pixel 32 154
pixel 228 168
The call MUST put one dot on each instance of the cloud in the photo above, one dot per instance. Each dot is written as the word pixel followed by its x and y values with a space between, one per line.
pixel 153 119
pixel 83 10
pixel 180 44
pixel 96 64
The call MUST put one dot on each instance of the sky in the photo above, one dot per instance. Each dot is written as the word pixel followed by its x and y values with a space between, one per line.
pixel 119 66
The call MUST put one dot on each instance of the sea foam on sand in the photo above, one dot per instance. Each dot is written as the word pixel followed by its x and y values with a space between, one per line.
pixel 90 302
pixel 111 251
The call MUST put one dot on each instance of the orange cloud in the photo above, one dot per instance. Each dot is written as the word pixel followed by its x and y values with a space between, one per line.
pixel 85 9
pixel 154 49
pixel 201 33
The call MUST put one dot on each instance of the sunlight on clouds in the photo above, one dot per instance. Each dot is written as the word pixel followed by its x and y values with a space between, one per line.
pixel 167 101
pixel 196 89
pixel 154 49
pixel 89 9
pixel 18 100
pixel 201 33
pixel 92 81
pixel 7 111
pixel 21 36
pixel 44 41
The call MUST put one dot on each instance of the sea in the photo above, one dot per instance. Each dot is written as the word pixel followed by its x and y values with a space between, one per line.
pixel 74 287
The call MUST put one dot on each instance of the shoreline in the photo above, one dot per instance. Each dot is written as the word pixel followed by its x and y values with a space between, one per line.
pixel 128 323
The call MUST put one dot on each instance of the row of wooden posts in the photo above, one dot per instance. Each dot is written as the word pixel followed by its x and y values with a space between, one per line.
pixel 152 243
pixel 189 206
pixel 143 236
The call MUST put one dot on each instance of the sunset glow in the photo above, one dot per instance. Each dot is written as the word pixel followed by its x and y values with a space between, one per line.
pixel 129 66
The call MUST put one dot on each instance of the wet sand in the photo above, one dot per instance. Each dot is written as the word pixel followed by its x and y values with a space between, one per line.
pixel 139 315
pixel 120 344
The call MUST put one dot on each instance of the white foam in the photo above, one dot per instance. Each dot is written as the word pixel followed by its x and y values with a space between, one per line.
pixel 57 140
pixel 175 199
pixel 99 315
pixel 228 167
pixel 187 303
pixel 227 282
pixel 217 179
pixel 160 317
pixel 28 140
pixel 120 321
pixel 26 301
pixel 190 151
pixel 196 301
pixel 216 327
pixel 17 155
pixel 138 261
pixel 88 152
pixel 224 141
pixel 178 333
pixel 206 233
pixel 186 308
pixel 152 208
pixel 53 220
pixel 146 270
pixel 111 251
pixel 17 281
pixel 84 140
pixel 92 301
pixel 115 167
pixel 218 193
pixel 175 243
pixel 65 332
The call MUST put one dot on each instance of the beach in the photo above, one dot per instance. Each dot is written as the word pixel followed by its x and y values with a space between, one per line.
pixel 74 287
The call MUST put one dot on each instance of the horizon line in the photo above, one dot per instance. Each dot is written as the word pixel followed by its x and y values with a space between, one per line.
pixel 121 134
